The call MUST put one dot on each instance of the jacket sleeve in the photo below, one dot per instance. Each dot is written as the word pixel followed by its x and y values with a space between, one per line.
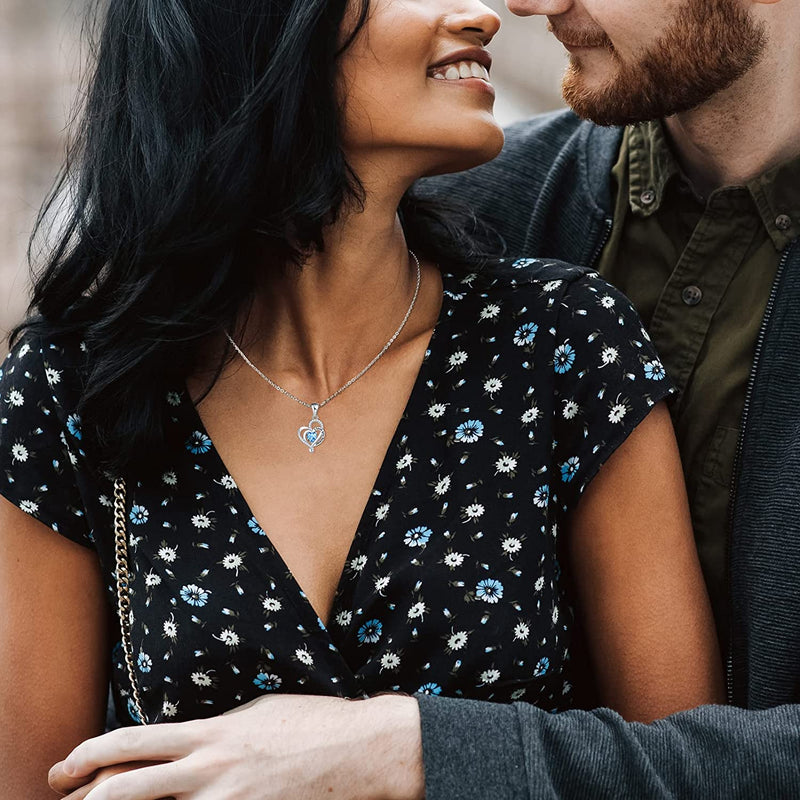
pixel 476 749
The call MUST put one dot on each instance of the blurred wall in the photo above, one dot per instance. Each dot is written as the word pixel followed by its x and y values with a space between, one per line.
pixel 39 64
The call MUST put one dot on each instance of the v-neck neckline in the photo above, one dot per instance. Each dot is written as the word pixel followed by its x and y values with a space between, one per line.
pixel 379 488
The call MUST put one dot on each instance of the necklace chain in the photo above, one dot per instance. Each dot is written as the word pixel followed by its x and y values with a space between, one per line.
pixel 315 406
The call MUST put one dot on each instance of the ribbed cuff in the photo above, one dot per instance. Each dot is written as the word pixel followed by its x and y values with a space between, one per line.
pixel 471 749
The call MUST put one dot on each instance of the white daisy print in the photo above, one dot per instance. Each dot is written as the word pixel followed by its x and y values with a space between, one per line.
pixel 617 413
pixel 458 359
pixel 607 301
pixel 19 452
pixel 505 465
pixel 15 398
pixel 490 311
pixel 404 462
pixel 609 355
pixel 229 637
pixel 202 679
pixel 531 415
pixel 473 511
pixel 454 560
pixel 492 386
pixel 390 661
pixel 437 410
pixel 168 554
pixel 344 618
pixel 457 641
pixel 358 563
pixel 271 604
pixel 442 485
pixel 490 675
pixel 29 507
pixel 511 545
pixel 570 410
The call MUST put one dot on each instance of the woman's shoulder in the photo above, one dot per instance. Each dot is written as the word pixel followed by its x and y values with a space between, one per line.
pixel 43 368
pixel 507 287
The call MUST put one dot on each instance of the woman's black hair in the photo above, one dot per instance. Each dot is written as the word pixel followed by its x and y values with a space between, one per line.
pixel 211 131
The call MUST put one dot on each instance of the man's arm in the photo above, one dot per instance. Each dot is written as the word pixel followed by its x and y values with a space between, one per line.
pixel 475 749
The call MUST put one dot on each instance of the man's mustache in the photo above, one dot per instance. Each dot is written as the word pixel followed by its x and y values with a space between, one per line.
pixel 580 38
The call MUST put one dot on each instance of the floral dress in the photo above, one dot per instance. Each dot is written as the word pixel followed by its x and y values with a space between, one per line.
pixel 536 372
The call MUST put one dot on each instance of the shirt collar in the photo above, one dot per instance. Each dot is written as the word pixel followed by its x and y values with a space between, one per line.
pixel 651 167
pixel 776 194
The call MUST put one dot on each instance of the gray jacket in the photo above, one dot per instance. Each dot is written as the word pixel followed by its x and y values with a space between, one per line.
pixel 549 194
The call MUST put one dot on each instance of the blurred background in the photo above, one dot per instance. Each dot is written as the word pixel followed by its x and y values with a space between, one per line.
pixel 40 61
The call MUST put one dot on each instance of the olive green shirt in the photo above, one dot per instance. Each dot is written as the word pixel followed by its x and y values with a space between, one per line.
pixel 700 272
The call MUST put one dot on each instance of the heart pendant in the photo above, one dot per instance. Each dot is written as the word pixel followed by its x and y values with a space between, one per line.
pixel 313 434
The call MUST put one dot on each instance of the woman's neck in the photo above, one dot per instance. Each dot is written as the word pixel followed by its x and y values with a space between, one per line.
pixel 323 323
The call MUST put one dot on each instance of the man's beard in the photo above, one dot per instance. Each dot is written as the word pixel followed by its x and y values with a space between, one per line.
pixel 709 45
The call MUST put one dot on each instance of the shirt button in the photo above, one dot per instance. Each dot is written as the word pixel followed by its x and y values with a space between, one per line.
pixel 692 295
pixel 783 222
pixel 648 197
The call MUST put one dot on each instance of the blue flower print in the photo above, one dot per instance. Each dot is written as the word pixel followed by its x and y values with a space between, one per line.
pixel 541 667
pixel 252 523
pixel 489 590
pixel 194 595
pixel 144 662
pixel 268 682
pixel 418 537
pixel 430 688
pixel 469 431
pixel 522 263
pixel 564 358
pixel 74 425
pixel 541 497
pixel 526 334
pixel 139 515
pixel 370 632
pixel 655 371
pixel 198 443
pixel 569 468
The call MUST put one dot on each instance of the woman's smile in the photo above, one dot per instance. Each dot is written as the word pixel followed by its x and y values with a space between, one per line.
pixel 468 68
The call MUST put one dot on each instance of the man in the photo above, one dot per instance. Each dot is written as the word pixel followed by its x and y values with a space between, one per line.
pixel 694 211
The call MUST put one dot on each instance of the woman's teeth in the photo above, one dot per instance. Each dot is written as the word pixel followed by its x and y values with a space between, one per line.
pixel 459 70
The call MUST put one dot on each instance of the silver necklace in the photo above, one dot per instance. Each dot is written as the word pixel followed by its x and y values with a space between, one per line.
pixel 313 434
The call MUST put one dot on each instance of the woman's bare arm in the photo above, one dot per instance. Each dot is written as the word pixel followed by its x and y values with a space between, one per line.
pixel 53 651
pixel 641 594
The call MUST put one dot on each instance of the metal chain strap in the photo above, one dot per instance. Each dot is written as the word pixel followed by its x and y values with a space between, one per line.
pixel 123 589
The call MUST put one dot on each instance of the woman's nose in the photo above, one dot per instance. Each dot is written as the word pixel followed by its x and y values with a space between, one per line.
pixel 477 17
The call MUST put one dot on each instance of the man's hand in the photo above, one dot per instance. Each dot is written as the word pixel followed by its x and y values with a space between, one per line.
pixel 276 747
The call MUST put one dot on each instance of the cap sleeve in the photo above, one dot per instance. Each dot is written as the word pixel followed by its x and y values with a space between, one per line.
pixel 40 439
pixel 607 379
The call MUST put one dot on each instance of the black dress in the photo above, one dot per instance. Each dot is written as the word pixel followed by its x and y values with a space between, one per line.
pixel 535 373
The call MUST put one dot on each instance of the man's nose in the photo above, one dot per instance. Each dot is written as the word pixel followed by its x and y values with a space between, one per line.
pixel 527 8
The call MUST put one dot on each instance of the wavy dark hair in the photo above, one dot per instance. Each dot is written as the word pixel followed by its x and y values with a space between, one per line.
pixel 210 133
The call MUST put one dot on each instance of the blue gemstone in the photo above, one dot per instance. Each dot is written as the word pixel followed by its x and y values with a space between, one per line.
pixel 311 436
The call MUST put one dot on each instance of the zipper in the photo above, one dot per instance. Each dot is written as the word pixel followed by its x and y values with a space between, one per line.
pixel 608 225
pixel 737 459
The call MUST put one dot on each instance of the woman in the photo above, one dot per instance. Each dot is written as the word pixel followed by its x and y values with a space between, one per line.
pixel 348 467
